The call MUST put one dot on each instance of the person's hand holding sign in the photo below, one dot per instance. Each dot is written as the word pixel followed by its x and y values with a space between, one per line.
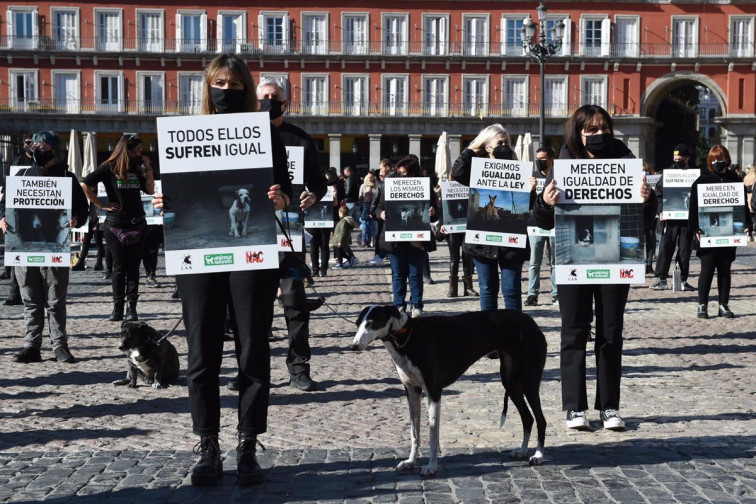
pixel 278 197
pixel 306 200
pixel 645 189
pixel 551 194
pixel 4 225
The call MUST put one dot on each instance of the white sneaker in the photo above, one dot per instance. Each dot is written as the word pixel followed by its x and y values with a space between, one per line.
pixel 577 420
pixel 377 260
pixel 417 312
pixel 612 419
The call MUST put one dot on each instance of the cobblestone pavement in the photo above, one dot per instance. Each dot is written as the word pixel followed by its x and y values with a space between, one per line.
pixel 67 434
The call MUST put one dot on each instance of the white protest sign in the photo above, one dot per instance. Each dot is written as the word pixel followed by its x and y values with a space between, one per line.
pixel 407 206
pixel 454 200
pixel 499 204
pixel 320 215
pixel 295 160
pixel 14 170
pixel 721 215
pixel 536 231
pixel 38 213
pixel 151 214
pixel 676 197
pixel 653 179
pixel 599 180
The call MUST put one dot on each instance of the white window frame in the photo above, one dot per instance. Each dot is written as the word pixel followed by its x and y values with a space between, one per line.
pixel 435 108
pixel 13 38
pixel 120 106
pixel 477 47
pixel 439 47
pixel 110 44
pixel 239 44
pixel 479 109
pixel 691 49
pixel 314 108
pixel 355 46
pixel 517 49
pixel 188 45
pixel 585 99
pixel 355 108
pixel 192 108
pixel 747 50
pixel 566 49
pixel 320 46
pixel 550 109
pixel 64 106
pixel 398 109
pixel 604 48
pixel 400 47
pixel 73 42
pixel 156 109
pixel 626 48
pixel 514 111
pixel 262 25
pixel 24 105
pixel 146 44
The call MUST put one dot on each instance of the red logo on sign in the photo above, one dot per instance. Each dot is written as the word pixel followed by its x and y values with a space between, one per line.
pixel 736 240
pixel 254 257
pixel 57 259
pixel 285 243
pixel 420 235
pixel 627 273
pixel 514 239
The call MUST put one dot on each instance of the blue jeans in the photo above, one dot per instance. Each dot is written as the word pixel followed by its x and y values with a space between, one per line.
pixel 368 230
pixel 534 269
pixel 488 281
pixel 407 263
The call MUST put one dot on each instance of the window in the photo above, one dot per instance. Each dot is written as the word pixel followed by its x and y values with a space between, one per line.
pixel 23 28
pixel 315 38
pixel 436 90
pixel 684 37
pixel 594 36
pixel 150 29
pixel 190 93
pixel 152 93
pixel 475 37
pixel 395 95
pixel 315 95
pixel 593 90
pixel 231 32
pixel 274 32
pixel 741 37
pixel 355 96
pixel 65 29
pixel 109 92
pixel 109 29
pixel 395 34
pixel 435 35
pixel 511 41
pixel 556 96
pixel 475 96
pixel 67 92
pixel 626 33
pixel 566 48
pixel 191 32
pixel 515 95
pixel 24 89
pixel 355 30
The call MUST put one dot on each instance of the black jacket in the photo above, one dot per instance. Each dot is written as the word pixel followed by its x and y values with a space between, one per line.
pixel 352 189
pixel 293 136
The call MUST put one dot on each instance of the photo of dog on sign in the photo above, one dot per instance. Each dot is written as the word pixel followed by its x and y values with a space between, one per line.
pixel 219 208
pixel 38 230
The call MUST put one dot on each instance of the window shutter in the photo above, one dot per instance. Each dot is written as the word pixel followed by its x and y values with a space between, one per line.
pixel 606 27
pixel 581 40
pixel 504 36
pixel 9 22
pixel 121 93
pixel 219 34
pixel 261 31
pixel 286 30
pixel 35 27
pixel 203 32
pixel 179 33
pixel 567 39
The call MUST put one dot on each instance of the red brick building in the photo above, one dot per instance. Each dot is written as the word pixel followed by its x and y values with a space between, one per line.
pixel 382 78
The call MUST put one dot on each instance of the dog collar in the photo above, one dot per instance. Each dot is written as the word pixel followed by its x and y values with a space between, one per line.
pixel 404 330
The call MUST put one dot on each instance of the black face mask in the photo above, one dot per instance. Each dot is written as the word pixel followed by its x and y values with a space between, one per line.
pixel 28 151
pixel 719 166
pixel 43 157
pixel 679 164
pixel 135 163
pixel 271 106
pixel 503 151
pixel 601 145
pixel 542 165
pixel 227 101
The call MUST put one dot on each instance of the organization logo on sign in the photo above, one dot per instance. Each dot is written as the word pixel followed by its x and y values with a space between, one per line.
pixel 35 259
pixel 405 235
pixel 56 259
pixel 722 241
pixel 253 257
pixel 627 273
pixel 598 274
pixel 219 259
pixel 186 264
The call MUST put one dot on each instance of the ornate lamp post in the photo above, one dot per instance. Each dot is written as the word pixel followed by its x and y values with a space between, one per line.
pixel 541 51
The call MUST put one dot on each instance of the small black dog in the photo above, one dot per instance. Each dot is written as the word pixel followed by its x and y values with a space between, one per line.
pixel 157 364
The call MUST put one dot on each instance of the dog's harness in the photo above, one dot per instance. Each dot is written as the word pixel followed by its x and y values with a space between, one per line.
pixel 405 331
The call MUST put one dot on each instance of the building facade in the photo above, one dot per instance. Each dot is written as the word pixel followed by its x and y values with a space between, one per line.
pixel 384 78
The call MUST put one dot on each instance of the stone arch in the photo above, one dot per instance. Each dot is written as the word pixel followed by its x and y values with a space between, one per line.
pixel 654 94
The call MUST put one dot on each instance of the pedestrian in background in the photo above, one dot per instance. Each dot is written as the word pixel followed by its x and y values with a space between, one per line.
pixel 544 163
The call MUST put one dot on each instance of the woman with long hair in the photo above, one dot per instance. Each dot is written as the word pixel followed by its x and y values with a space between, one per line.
pixel 125 174
pixel 719 171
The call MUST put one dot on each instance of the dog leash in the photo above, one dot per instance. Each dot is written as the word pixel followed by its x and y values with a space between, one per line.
pixel 171 331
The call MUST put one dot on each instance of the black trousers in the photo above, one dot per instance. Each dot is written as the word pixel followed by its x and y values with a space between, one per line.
pixel 676 234
pixel 153 236
pixel 320 250
pixel 378 250
pixel 203 301
pixel 342 253
pixel 126 260
pixel 455 241
pixel 298 325
pixel 87 241
pixel 576 307
pixel 721 260
pixel 649 235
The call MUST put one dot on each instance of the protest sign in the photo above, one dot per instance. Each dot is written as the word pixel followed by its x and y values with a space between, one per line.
pixel 676 197
pixel 653 179
pixel 454 200
pixel 721 215
pixel 216 172
pixel 535 231
pixel 320 215
pixel 407 206
pixel 151 214
pixel 38 213
pixel 599 236
pixel 290 216
pixel 499 204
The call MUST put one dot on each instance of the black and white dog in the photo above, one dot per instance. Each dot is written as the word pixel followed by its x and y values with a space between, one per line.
pixel 431 353
pixel 239 213
pixel 152 358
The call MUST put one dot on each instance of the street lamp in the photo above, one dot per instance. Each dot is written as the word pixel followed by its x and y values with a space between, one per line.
pixel 541 51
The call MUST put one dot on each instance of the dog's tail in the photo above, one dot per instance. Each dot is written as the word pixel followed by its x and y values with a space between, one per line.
pixel 504 410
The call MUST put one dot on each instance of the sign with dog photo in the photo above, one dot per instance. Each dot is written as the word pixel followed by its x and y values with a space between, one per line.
pixel 676 199
pixel 290 216
pixel 599 237
pixel 320 215
pixel 721 215
pixel 407 208
pixel 499 203
pixel 216 171
pixel 151 214
pixel 454 199
pixel 38 213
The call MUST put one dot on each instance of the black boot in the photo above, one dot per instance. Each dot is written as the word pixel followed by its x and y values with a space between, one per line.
pixel 117 314
pixel 98 264
pixel 249 470
pixel 453 286
pixel 468 283
pixel 209 469
pixel 131 311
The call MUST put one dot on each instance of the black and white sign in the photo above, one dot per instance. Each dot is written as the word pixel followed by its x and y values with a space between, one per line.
pixel 407 207
pixel 290 216
pixel 721 215
pixel 601 181
pixel 676 198
pixel 320 215
pixel 454 200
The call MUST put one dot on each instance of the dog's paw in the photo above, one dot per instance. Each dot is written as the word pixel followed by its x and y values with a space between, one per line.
pixel 536 459
pixel 429 470
pixel 518 454
pixel 405 465
pixel 118 383
pixel 244 233
pixel 157 385
pixel 132 385
pixel 230 233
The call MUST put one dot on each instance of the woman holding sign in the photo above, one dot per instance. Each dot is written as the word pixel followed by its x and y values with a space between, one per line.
pixel 589 134
pixel 229 88
pixel 719 258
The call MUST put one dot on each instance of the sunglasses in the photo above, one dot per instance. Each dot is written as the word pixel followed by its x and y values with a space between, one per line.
pixel 41 147
pixel 133 141
pixel 27 142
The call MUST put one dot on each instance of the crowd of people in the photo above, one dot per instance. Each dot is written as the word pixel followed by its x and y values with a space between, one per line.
pixel 243 300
